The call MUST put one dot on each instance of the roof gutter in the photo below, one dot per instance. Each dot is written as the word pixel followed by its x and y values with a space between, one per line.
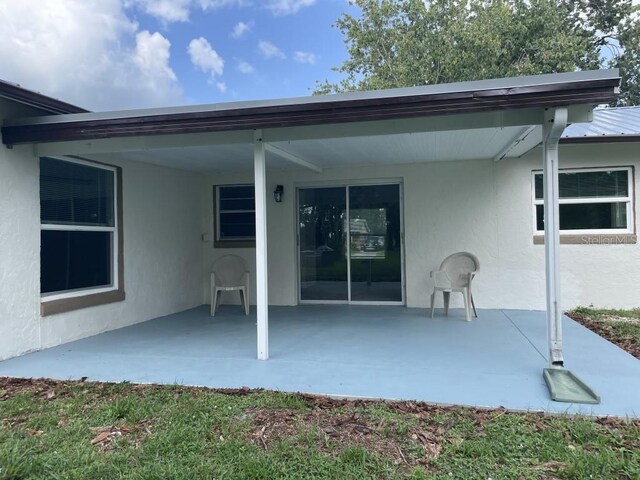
pixel 330 111
pixel 601 139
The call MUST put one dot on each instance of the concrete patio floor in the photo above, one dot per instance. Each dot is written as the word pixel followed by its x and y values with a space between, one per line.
pixel 357 351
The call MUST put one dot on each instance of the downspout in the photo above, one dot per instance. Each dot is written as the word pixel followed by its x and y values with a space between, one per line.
pixel 555 123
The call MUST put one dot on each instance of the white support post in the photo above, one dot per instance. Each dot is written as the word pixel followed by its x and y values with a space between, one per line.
pixel 555 123
pixel 262 295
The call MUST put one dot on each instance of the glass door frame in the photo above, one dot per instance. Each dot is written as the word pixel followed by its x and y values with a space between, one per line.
pixel 346 185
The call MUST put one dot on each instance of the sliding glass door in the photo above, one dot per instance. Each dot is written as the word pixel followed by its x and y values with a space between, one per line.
pixel 350 248
pixel 322 214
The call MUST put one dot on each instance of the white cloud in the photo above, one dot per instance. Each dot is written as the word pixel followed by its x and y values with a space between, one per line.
pixel 86 52
pixel 287 7
pixel 276 7
pixel 166 11
pixel 240 29
pixel 215 4
pixel 169 11
pixel 269 50
pixel 152 55
pixel 305 57
pixel 205 57
pixel 244 67
pixel 221 86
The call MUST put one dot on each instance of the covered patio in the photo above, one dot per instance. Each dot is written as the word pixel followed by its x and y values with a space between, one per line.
pixel 449 154
pixel 354 351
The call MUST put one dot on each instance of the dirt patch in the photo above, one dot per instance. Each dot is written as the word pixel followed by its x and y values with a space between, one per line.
pixel 333 432
pixel 335 424
pixel 613 318
pixel 42 388
pixel 105 438
pixel 605 328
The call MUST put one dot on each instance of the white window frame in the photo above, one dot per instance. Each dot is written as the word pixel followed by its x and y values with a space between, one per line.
pixel 218 210
pixel 79 292
pixel 629 199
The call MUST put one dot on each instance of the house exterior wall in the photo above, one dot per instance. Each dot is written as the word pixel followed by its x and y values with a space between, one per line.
pixel 481 206
pixel 162 254
pixel 19 252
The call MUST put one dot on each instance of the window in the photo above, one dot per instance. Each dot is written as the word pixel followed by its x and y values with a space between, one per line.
pixel 592 201
pixel 80 255
pixel 235 215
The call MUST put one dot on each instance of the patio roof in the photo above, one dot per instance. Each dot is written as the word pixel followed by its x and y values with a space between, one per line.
pixel 15 93
pixel 461 121
pixel 357 351
pixel 553 90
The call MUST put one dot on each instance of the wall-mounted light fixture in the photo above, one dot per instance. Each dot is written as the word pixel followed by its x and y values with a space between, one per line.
pixel 278 192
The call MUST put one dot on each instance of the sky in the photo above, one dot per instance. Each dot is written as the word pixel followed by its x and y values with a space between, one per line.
pixel 121 54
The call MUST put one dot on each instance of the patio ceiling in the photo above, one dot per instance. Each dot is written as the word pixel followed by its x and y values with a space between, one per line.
pixel 480 143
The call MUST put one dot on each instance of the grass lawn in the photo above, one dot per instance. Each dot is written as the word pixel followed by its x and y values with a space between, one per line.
pixel 621 327
pixel 81 430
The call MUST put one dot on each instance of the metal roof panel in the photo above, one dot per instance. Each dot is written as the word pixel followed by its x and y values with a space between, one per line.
pixel 617 121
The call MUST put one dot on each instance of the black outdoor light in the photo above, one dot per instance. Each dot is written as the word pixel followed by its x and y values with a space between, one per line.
pixel 277 193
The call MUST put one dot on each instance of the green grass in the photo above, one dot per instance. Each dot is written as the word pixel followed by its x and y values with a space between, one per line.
pixel 611 325
pixel 600 313
pixel 172 432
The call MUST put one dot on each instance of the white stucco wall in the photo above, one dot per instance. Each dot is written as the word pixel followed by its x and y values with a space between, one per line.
pixel 19 252
pixel 599 275
pixel 480 206
pixel 162 254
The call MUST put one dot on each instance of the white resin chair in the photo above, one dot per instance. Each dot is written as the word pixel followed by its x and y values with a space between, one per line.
pixel 455 275
pixel 230 273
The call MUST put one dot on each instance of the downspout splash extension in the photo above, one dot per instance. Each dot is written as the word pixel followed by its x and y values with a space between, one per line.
pixel 563 385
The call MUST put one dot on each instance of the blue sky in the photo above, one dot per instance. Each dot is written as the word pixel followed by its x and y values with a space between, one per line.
pixel 114 54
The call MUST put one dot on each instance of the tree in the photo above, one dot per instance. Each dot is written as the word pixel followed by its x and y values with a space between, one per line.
pixel 396 43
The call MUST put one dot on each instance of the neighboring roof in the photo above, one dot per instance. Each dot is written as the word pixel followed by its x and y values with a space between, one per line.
pixel 16 93
pixel 608 125
pixel 587 87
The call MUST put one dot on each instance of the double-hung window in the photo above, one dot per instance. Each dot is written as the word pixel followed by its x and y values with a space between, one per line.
pixel 235 215
pixel 592 201
pixel 80 257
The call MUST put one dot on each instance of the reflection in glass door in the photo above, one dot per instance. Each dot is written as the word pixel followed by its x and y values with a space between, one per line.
pixel 374 233
pixel 350 244
pixel 322 214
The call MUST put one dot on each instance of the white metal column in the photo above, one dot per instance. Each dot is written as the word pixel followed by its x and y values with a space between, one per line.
pixel 555 123
pixel 262 295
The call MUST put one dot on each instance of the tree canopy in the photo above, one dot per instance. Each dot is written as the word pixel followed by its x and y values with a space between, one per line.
pixel 398 43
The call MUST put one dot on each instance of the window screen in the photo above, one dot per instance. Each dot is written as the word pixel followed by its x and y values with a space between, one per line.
pixel 597 200
pixel 235 215
pixel 75 194
pixel 77 213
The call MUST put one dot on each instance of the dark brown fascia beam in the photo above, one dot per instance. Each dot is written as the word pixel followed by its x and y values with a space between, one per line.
pixel 338 111
pixel 37 100
pixel 601 139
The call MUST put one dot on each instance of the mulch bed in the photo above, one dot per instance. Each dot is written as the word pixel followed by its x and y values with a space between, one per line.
pixel 607 331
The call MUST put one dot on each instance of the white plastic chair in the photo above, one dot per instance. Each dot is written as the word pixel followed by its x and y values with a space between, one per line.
pixel 455 275
pixel 230 273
